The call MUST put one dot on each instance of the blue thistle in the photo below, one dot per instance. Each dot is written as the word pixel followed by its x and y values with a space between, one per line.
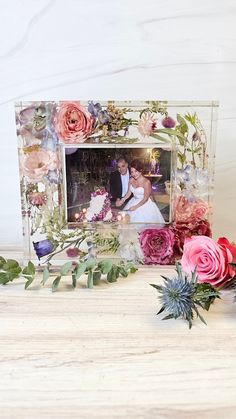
pixel 181 295
pixel 177 296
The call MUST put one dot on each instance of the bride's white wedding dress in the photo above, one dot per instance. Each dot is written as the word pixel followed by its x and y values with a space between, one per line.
pixel 147 213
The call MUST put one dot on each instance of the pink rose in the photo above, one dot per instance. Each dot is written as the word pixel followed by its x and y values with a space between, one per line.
pixel 157 245
pixel 147 123
pixel 35 165
pixel 211 259
pixel 223 242
pixel 73 123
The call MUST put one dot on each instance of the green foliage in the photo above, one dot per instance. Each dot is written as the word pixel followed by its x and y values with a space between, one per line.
pixel 95 271
pixel 29 274
pixel 9 270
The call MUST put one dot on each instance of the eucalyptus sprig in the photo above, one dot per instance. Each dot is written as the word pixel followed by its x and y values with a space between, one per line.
pixel 181 296
pixel 93 269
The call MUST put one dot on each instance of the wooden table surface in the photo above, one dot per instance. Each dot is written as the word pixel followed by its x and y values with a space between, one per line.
pixel 103 353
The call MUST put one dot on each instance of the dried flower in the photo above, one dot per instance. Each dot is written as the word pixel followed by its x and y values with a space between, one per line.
pixel 147 123
pixel 72 253
pixel 168 122
pixel 37 198
pixel 43 248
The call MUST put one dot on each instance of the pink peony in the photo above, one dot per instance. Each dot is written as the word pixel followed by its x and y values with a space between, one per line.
pixel 35 165
pixel 211 259
pixel 147 124
pixel 73 123
pixel 157 245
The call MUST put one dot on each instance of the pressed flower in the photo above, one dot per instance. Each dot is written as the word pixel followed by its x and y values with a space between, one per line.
pixel 72 253
pixel 43 248
pixel 147 123
pixel 94 109
pixel 168 122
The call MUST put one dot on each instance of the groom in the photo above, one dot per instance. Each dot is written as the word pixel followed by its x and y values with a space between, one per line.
pixel 119 181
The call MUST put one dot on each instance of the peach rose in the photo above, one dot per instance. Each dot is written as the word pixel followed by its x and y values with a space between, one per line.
pixel 211 259
pixel 186 211
pixel 73 123
pixel 36 164
pixel 200 210
pixel 183 209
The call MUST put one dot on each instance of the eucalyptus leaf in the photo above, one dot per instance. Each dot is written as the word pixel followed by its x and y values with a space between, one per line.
pixel 90 263
pixel 74 280
pixel 55 283
pixel 96 277
pixel 113 274
pixel 122 271
pixel 105 266
pixel 29 270
pixel 10 264
pixel 46 274
pixel 2 261
pixel 80 269
pixel 90 279
pixel 65 268
pixel 4 278
pixel 29 282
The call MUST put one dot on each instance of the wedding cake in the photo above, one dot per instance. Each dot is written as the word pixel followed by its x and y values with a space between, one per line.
pixel 99 206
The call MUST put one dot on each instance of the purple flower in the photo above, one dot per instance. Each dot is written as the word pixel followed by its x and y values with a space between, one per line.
pixel 49 141
pixel 53 177
pixel 72 253
pixel 94 109
pixel 183 175
pixel 103 117
pixel 168 122
pixel 43 248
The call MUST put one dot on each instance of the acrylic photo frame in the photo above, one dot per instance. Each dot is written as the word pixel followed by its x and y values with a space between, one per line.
pixel 46 129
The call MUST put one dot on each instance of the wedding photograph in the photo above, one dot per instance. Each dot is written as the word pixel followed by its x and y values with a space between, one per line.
pixel 110 184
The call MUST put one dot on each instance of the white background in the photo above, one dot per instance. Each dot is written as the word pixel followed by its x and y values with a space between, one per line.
pixel 118 49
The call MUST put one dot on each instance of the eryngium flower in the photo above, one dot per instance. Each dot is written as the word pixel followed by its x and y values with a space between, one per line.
pixel 176 297
pixel 181 295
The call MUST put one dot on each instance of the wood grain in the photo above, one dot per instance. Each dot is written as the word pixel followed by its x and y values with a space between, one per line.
pixel 103 353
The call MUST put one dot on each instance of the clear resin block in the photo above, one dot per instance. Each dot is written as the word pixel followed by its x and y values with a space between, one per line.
pixel 128 180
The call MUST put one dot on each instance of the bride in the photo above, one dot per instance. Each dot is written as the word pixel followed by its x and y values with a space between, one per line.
pixel 141 207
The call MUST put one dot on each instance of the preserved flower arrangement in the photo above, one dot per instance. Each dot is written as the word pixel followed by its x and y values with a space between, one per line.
pixel 48 130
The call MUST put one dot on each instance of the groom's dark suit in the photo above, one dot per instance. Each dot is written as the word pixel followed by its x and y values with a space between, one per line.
pixel 116 186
